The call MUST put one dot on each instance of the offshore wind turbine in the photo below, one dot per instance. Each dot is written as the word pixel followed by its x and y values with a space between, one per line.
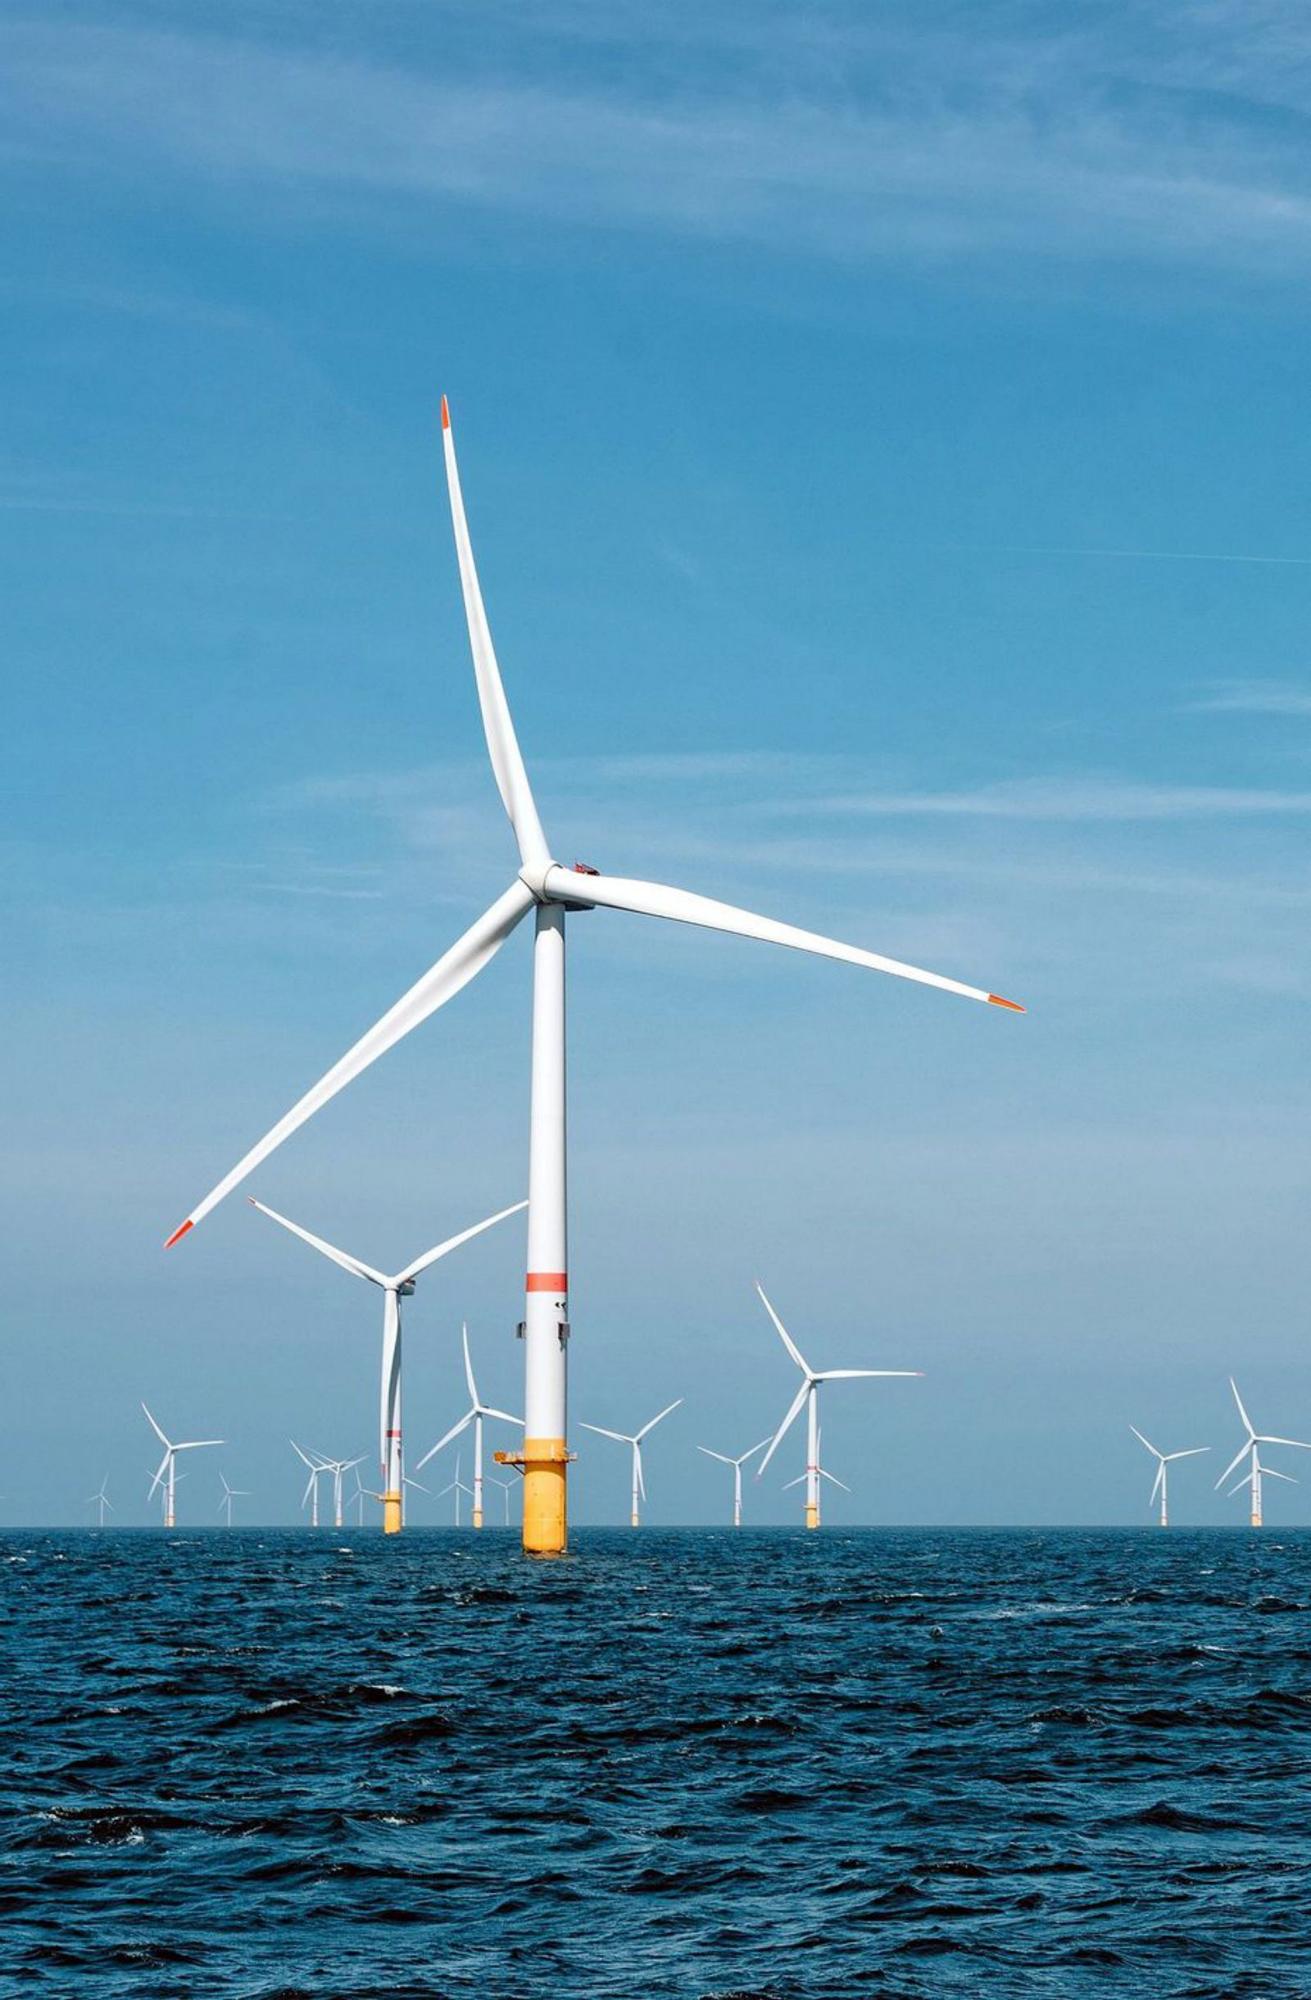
pixel 391 1457
pixel 473 1415
pixel 1163 1459
pixel 1253 1476
pixel 737 1464
pixel 100 1500
pixel 317 1468
pixel 167 1473
pixel 506 1486
pixel 622 1437
pixel 230 1493
pixel 551 891
pixel 457 1487
pixel 821 1470
pixel 812 1380
pixel 338 1467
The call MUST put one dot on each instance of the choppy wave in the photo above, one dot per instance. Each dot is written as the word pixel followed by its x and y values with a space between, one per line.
pixel 676 1765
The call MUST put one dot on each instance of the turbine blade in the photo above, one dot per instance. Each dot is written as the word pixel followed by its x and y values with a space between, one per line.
pixel 163 1468
pixel 783 1333
pixel 1268 1472
pixel 1247 1421
pixel 1239 1487
pixel 655 899
pixel 1194 1451
pixel 800 1478
pixel 486 1410
pixel 198 1444
pixel 657 1420
pixel 468 1368
pixel 619 1436
pixel 467 956
pixel 750 1454
pixel 832 1478
pixel 502 744
pixel 1156 1483
pixel 1142 1440
pixel 1297 1443
pixel 701 1447
pixel 453 1243
pixel 1234 1463
pixel 637 1467
pixel 793 1412
pixel 859 1374
pixel 453 1432
pixel 154 1426
pixel 354 1265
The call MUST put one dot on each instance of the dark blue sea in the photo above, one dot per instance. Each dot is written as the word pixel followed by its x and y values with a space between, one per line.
pixel 673 1765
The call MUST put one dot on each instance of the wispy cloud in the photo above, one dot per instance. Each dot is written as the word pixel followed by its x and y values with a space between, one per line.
pixel 1155 134
pixel 1254 697
pixel 1075 798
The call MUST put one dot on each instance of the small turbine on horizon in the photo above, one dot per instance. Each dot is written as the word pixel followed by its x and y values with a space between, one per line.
pixel 737 1464
pixel 1253 1476
pixel 394 1289
pixel 622 1437
pixel 230 1493
pixel 808 1395
pixel 100 1500
pixel 1163 1459
pixel 457 1487
pixel 167 1472
pixel 473 1415
pixel 318 1467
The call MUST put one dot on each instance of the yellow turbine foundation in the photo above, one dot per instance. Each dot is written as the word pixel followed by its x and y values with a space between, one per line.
pixel 543 1463
pixel 812 1516
pixel 477 1517
pixel 391 1513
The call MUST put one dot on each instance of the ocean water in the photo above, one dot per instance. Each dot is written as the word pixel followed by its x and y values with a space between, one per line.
pixel 674 1764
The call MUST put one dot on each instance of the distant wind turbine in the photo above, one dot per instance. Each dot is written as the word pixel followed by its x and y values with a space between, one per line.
pixel 1253 1476
pixel 507 1487
pixel 474 1415
pixel 394 1289
pixel 550 891
pixel 167 1473
pixel 457 1487
pixel 1163 1459
pixel 230 1493
pixel 821 1471
pixel 317 1468
pixel 622 1437
pixel 737 1464
pixel 100 1500
pixel 808 1395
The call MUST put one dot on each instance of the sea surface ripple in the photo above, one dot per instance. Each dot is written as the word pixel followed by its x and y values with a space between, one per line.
pixel 676 1764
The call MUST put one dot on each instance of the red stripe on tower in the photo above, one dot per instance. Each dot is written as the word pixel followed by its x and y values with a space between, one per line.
pixel 547 1281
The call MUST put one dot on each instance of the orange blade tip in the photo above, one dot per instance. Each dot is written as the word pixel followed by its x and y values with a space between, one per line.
pixel 178 1234
pixel 995 1000
pixel 446 414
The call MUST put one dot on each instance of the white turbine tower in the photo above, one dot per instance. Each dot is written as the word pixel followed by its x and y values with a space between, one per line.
pixel 338 1467
pixel 230 1493
pixel 391 1458
pixel 808 1394
pixel 167 1473
pixel 821 1471
pixel 1163 1459
pixel 507 1487
pixel 317 1468
pixel 622 1437
pixel 737 1464
pixel 550 891
pixel 473 1415
pixel 100 1500
pixel 1253 1476
pixel 457 1487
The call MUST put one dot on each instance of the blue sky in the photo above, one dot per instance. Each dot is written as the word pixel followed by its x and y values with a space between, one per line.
pixel 884 438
